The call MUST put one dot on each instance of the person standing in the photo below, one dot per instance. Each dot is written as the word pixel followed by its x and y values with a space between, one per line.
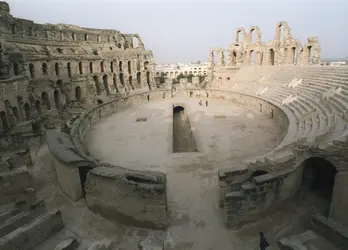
pixel 206 103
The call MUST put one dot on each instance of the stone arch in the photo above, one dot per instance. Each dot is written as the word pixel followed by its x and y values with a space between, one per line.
pixel 44 69
pixel 91 67
pixel 252 57
pixel 4 121
pixel 139 78
pixel 122 79
pixel 318 177
pixel 57 100
pixel 148 79
pixel 80 68
pixel 86 37
pixel 60 85
pixel 294 55
pixel 112 66
pixel 15 113
pixel 102 66
pixel 27 111
pixel 130 81
pixel 254 34
pixel 120 66
pixel 106 84
pixel 56 68
pixel 271 56
pixel 45 100
pixel 308 54
pixel 281 30
pixel 135 42
pixel 15 68
pixel 78 93
pixel 97 84
pixel 234 58
pixel 38 106
pixel 146 65
pixel 239 35
pixel 32 70
pixel 129 64
pixel 68 65
pixel 114 81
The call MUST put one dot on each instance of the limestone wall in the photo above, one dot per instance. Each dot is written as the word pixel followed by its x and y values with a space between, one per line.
pixel 128 196
pixel 138 199
pixel 45 66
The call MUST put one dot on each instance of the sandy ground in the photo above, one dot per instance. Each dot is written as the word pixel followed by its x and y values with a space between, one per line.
pixel 197 222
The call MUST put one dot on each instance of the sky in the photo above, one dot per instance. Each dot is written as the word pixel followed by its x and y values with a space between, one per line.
pixel 185 30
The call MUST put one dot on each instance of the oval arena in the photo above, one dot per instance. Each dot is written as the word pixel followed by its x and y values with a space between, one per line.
pixel 97 154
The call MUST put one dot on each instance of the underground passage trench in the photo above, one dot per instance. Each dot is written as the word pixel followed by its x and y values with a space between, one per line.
pixel 183 138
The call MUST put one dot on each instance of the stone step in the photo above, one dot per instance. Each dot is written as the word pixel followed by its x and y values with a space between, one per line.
pixel 30 235
pixel 68 244
pixel 20 219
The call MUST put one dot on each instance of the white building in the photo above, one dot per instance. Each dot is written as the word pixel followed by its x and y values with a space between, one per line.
pixel 173 70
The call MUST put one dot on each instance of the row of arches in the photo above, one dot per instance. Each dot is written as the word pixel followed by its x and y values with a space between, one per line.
pixel 81 68
pixel 127 85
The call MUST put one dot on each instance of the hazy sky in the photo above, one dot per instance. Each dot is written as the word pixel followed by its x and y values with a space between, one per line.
pixel 183 31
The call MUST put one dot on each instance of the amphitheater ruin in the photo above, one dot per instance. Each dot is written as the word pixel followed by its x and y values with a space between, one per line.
pixel 94 155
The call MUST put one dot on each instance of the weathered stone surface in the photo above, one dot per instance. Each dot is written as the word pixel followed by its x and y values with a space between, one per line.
pixel 69 244
pixel 104 244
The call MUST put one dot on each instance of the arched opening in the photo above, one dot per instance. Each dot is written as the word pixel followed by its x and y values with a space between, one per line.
pixel 78 93
pixel 120 66
pixel 86 37
pixel 121 79
pixel 135 42
pixel 35 128
pixel 90 67
pixel 96 84
pixel 271 56
pixel 114 81
pixel 271 113
pixel 44 69
pixel 102 66
pixel 99 102
pixel 111 66
pixel 45 100
pixel 281 32
pixel 119 45
pixel 15 113
pixel 130 81
pixel 309 54
pixel 191 93
pixel 252 36
pixel 260 107
pixel 239 37
pixel 68 65
pixel 27 111
pixel 148 98
pixel 80 68
pixel 73 36
pixel 38 106
pixel 56 96
pixel 32 70
pixel 56 68
pixel 83 172
pixel 4 121
pixel 60 85
pixel 148 79
pixel 106 84
pixel 146 65
pixel 234 58
pixel 294 55
pixel 16 69
pixel 129 67
pixel 139 78
pixel 98 38
pixel 252 57
pixel 318 179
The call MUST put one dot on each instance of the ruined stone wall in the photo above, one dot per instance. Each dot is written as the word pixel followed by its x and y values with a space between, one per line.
pixel 249 49
pixel 45 66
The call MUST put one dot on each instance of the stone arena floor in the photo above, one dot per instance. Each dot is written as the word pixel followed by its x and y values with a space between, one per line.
pixel 197 222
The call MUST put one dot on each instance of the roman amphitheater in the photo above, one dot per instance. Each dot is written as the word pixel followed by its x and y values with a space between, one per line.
pixel 95 155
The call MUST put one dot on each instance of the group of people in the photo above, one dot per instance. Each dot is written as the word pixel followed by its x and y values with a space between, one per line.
pixel 200 103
